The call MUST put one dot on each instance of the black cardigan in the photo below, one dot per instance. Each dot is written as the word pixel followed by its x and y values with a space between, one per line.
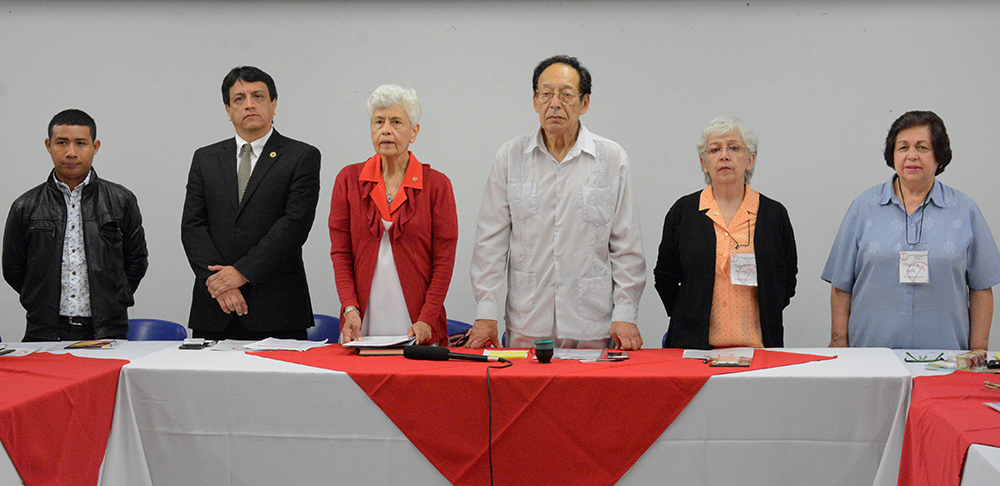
pixel 685 271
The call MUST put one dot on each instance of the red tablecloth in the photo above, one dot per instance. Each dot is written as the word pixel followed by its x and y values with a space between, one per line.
pixel 55 415
pixel 560 423
pixel 946 416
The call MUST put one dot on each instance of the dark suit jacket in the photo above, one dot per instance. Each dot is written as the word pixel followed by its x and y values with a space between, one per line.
pixel 262 237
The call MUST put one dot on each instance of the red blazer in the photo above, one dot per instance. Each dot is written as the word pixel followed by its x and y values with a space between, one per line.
pixel 424 235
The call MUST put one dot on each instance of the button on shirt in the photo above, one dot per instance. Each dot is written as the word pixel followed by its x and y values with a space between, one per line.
pixel 864 261
pixel 569 233
pixel 74 298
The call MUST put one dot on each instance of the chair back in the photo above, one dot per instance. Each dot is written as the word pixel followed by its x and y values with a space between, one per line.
pixel 327 327
pixel 664 340
pixel 155 330
pixel 457 327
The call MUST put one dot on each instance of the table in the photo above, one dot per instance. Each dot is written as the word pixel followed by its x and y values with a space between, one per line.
pixel 982 462
pixel 212 417
pixel 982 466
pixel 8 474
pixel 832 422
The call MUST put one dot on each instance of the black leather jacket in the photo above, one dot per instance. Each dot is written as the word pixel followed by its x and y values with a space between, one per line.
pixel 113 240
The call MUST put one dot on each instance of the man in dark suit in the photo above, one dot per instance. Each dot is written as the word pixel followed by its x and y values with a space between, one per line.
pixel 249 207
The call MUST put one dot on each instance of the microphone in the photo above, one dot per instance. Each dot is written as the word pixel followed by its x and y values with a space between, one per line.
pixel 434 353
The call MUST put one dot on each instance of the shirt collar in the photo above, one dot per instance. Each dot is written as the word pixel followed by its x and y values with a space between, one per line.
pixel 65 187
pixel 257 145
pixel 751 200
pixel 888 194
pixel 413 177
pixel 584 143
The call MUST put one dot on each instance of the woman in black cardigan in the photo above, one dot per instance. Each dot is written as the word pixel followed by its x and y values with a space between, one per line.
pixel 726 265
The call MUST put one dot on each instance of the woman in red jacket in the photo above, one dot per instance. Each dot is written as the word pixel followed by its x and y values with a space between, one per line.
pixel 393 231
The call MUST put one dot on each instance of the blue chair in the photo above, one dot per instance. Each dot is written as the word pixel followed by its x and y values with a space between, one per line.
pixel 664 340
pixel 327 327
pixel 155 330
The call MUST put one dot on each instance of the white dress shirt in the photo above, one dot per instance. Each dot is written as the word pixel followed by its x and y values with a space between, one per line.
pixel 256 147
pixel 569 233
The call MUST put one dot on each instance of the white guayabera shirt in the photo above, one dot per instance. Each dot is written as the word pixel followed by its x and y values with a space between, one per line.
pixel 569 233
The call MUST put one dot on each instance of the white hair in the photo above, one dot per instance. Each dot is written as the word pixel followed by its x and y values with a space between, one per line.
pixel 723 125
pixel 389 95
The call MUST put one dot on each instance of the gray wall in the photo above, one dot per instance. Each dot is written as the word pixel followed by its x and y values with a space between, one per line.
pixel 820 84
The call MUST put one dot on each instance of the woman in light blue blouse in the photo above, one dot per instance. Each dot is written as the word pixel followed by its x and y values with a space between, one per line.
pixel 914 262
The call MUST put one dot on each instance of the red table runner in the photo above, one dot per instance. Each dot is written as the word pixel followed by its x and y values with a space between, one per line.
pixel 55 415
pixel 560 423
pixel 946 416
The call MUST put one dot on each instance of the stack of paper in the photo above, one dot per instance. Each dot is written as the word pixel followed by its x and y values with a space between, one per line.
pixel 380 342
pixel 274 344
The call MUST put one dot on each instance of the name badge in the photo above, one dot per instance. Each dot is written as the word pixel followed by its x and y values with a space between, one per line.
pixel 743 269
pixel 913 267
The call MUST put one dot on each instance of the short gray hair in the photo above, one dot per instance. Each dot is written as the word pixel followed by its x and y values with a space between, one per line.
pixel 389 95
pixel 723 125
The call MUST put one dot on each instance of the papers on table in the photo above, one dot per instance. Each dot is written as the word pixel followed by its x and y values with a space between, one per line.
pixel 380 342
pixel 564 353
pixel 230 345
pixel 712 354
pixel 12 352
pixel 274 344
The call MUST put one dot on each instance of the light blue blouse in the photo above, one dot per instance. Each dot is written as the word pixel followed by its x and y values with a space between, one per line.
pixel 864 261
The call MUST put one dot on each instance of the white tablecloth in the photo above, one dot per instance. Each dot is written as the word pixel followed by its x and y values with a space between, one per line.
pixel 982 466
pixel 211 417
pixel 124 350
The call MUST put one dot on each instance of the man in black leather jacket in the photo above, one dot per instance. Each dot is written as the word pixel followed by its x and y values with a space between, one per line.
pixel 74 247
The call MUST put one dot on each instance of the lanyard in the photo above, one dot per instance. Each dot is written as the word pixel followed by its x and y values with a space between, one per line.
pixel 906 215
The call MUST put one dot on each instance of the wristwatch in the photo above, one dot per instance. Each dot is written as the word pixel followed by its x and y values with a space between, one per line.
pixel 351 308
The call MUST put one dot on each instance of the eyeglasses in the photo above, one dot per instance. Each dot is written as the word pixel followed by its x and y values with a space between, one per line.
pixel 717 149
pixel 567 98
pixel 922 358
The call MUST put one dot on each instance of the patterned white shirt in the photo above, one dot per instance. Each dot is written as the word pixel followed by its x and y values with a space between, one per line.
pixel 565 236
pixel 74 299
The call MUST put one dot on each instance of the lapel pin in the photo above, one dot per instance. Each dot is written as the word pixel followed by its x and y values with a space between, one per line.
pixel 414 179
pixel 274 154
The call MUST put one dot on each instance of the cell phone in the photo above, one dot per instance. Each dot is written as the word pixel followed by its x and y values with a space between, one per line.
pixel 196 343
pixel 617 355
pixel 993 364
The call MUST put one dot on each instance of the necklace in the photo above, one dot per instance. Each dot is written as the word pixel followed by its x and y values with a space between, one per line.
pixel 390 193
